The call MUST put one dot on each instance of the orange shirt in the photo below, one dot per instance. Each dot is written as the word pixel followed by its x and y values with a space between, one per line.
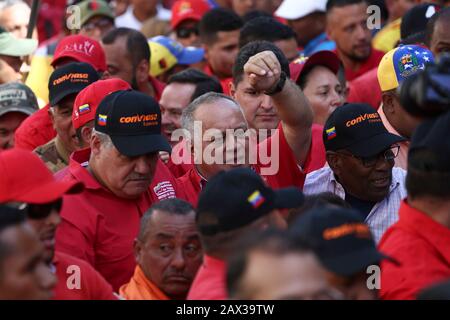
pixel 140 288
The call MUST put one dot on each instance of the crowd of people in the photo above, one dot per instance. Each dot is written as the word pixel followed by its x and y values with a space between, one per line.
pixel 214 150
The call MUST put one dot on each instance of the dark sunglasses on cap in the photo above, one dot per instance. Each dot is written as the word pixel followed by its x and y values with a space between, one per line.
pixel 184 33
pixel 37 211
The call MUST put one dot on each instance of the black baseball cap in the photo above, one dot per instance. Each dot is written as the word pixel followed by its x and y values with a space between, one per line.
pixel 414 22
pixel 235 198
pixel 133 121
pixel 358 128
pixel 69 79
pixel 340 238
pixel 431 139
pixel 17 97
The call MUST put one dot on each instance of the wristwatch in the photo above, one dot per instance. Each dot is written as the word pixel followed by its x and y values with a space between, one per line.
pixel 279 86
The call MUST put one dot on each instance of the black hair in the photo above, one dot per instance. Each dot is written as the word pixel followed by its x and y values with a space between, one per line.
pixel 265 28
pixel 137 45
pixel 342 3
pixel 173 206
pixel 252 48
pixel 217 20
pixel 255 14
pixel 202 82
pixel 443 14
pixel 271 241
pixel 422 180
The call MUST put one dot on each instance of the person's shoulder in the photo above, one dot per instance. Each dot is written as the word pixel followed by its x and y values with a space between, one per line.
pixel 320 174
pixel 399 177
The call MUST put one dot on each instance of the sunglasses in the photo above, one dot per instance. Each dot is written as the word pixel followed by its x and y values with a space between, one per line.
pixel 38 211
pixel 368 162
pixel 184 33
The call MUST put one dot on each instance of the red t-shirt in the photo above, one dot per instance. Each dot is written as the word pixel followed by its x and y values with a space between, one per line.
pixel 422 248
pixel 209 283
pixel 366 89
pixel 99 227
pixel 288 174
pixel 92 286
pixel 158 86
pixel 35 130
pixel 372 62
pixel 224 82
pixel 182 158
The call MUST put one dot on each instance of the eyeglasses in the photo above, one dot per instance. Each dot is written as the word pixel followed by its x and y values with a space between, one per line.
pixel 184 33
pixel 102 24
pixel 368 162
pixel 38 211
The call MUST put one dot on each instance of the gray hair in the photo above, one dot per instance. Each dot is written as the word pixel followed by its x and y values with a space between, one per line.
pixel 5 4
pixel 187 118
pixel 105 140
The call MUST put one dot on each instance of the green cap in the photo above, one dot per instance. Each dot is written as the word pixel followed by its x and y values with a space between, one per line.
pixel 12 46
pixel 91 8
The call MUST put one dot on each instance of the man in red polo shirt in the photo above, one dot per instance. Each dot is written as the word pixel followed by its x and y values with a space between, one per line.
pixel 26 181
pixel 233 204
pixel 283 156
pixel 38 128
pixel 122 179
pixel 347 26
pixel 219 34
pixel 419 241
pixel 128 58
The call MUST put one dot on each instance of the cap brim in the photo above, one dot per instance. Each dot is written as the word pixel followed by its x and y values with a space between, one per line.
pixel 354 262
pixel 19 47
pixel 194 16
pixel 56 99
pixel 288 198
pixel 50 192
pixel 132 146
pixel 374 145
pixel 191 55
pixel 25 110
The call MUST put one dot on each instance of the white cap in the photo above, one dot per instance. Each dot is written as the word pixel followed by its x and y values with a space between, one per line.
pixel 296 9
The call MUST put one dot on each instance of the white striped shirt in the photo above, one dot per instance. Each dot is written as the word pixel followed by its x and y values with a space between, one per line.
pixel 382 215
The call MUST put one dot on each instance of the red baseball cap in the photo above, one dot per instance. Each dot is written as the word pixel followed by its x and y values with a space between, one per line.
pixel 321 58
pixel 188 9
pixel 89 98
pixel 81 49
pixel 25 178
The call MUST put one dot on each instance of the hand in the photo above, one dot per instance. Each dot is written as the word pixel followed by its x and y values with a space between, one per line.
pixel 263 70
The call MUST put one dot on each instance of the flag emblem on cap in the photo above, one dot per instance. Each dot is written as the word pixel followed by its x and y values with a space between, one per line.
pixel 84 109
pixel 256 199
pixel 331 133
pixel 102 119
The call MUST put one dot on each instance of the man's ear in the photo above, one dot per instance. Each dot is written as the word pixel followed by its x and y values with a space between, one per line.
pixel 137 249
pixel 95 145
pixel 388 103
pixel 232 90
pixel 206 48
pixel 333 160
pixel 86 133
pixel 142 71
pixel 50 112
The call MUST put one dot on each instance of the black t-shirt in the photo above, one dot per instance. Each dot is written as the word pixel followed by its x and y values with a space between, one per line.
pixel 362 206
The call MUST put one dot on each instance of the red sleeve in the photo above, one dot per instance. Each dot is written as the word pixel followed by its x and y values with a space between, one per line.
pixel 99 288
pixel 76 233
pixel 284 170
pixel 420 267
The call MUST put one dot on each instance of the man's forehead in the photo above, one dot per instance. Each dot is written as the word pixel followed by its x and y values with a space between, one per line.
pixel 165 224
